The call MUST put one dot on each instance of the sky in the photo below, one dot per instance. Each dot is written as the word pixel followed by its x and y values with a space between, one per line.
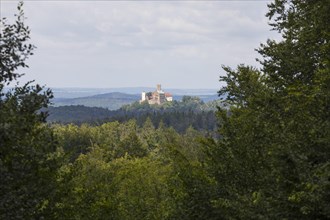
pixel 111 44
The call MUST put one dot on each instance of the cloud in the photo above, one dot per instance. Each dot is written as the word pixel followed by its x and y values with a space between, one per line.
pixel 119 43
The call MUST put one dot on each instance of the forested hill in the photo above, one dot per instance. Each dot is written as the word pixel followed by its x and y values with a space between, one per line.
pixel 112 101
pixel 191 111
pixel 115 100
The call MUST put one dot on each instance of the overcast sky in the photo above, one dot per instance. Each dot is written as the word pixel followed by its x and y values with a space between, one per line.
pixel 106 44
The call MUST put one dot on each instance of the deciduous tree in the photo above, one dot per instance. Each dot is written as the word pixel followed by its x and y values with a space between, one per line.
pixel 28 158
pixel 273 158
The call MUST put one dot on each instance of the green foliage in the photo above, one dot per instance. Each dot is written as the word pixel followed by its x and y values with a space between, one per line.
pixel 143 191
pixel 121 189
pixel 273 158
pixel 127 172
pixel 28 155
pixel 13 47
pixel 85 189
pixel 180 118
pixel 77 114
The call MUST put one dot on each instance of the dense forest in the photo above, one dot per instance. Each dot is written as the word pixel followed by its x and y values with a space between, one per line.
pixel 270 159
pixel 190 111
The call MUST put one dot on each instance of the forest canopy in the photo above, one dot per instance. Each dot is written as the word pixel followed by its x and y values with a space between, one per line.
pixel 270 158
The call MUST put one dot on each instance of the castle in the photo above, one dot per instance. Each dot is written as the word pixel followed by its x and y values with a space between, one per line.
pixel 156 97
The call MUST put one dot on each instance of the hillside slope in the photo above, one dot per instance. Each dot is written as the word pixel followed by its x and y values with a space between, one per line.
pixel 111 101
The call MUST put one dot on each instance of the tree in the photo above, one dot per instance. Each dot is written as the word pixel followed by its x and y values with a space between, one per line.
pixel 273 158
pixel 28 156
pixel 86 189
pixel 142 189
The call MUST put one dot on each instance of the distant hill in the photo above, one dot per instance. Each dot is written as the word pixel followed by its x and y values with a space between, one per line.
pixel 70 93
pixel 180 115
pixel 84 92
pixel 110 101
pixel 204 98
pixel 115 100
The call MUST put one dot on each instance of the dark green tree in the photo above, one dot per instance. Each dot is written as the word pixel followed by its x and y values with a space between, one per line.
pixel 27 147
pixel 273 158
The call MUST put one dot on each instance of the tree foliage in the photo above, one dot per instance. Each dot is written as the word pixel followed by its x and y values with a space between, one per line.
pixel 27 148
pixel 122 171
pixel 270 160
pixel 180 118
pixel 273 158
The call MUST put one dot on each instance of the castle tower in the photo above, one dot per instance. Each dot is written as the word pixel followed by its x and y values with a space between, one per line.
pixel 143 98
pixel 156 97
pixel 159 87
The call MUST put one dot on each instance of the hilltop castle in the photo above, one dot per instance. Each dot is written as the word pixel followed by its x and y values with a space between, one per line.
pixel 156 97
